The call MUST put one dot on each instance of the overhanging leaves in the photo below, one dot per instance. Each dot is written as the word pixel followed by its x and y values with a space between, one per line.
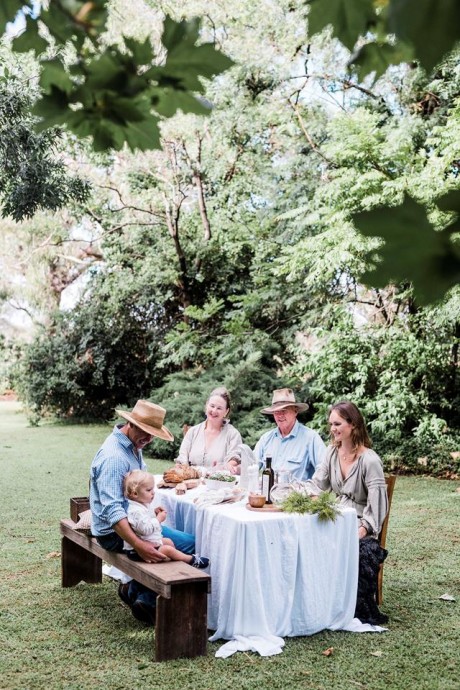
pixel 412 250
pixel 110 89
pixel 432 27
pixel 349 20
pixel 377 57
pixel 54 73
pixel 30 39
pixel 450 201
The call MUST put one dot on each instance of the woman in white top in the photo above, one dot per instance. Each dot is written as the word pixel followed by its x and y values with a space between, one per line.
pixel 212 443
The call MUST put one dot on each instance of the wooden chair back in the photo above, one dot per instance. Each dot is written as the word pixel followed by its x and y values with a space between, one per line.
pixel 390 481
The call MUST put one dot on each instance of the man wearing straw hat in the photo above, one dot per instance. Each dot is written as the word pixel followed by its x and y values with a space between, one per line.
pixel 120 453
pixel 293 447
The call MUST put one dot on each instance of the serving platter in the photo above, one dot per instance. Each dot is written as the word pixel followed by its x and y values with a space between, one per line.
pixel 189 483
pixel 266 508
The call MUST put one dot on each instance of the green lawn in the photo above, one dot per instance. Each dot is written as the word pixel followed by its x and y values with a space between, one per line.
pixel 83 638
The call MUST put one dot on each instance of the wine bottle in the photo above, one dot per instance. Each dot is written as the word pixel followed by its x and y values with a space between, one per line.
pixel 268 479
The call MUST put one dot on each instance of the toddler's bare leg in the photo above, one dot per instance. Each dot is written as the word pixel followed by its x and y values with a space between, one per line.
pixel 174 554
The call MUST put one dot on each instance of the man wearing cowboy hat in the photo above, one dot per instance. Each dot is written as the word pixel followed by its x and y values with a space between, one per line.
pixel 120 453
pixel 293 447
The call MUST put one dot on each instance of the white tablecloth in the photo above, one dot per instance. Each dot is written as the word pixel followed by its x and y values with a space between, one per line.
pixel 273 574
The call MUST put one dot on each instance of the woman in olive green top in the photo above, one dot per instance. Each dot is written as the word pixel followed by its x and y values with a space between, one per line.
pixel 352 470
pixel 354 473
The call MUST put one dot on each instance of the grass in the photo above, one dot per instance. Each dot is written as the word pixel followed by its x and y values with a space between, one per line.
pixel 83 638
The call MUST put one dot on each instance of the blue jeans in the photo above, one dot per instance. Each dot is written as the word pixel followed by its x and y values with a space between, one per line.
pixel 183 541
pixel 136 591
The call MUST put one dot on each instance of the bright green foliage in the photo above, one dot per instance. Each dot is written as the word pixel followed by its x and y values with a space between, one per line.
pixel 398 31
pixel 324 506
pixel 377 153
pixel 114 94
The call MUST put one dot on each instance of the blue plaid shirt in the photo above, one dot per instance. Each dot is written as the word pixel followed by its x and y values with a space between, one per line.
pixel 300 452
pixel 112 462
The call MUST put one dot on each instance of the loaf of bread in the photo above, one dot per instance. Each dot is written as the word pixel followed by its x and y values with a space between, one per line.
pixel 178 474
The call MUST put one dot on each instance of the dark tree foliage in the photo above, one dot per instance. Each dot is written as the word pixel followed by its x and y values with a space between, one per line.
pixel 405 381
pixel 32 177
pixel 93 360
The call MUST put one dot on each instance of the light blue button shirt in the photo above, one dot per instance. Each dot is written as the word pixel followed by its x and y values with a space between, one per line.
pixel 114 459
pixel 299 452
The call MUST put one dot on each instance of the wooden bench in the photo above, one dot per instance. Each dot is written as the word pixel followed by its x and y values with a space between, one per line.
pixel 181 611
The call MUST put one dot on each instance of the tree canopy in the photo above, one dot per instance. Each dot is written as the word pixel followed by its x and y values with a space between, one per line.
pixel 232 253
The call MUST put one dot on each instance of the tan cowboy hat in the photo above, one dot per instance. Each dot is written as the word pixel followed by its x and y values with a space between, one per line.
pixel 284 397
pixel 148 417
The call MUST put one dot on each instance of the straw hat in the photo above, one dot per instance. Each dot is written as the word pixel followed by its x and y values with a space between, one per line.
pixel 282 398
pixel 148 417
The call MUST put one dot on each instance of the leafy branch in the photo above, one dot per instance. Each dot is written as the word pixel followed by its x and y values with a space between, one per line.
pixel 325 505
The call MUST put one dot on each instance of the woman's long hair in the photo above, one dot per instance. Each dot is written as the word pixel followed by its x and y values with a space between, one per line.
pixel 351 414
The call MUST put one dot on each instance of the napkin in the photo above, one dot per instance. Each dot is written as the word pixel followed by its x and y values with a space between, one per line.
pixel 265 646
pixel 212 497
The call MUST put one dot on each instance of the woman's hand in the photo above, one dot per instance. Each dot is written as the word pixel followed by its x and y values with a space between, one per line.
pixel 362 532
pixel 233 467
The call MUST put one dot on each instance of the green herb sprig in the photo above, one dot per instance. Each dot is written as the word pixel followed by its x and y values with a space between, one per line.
pixel 325 505
pixel 221 477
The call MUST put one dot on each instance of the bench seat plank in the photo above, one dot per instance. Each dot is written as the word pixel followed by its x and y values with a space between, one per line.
pixel 156 576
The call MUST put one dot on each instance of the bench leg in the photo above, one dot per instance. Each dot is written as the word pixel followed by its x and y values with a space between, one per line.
pixel 181 622
pixel 78 564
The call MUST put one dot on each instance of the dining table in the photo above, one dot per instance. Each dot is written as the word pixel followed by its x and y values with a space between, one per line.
pixel 272 573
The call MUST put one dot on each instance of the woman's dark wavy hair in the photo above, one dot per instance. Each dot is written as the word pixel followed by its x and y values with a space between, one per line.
pixel 351 414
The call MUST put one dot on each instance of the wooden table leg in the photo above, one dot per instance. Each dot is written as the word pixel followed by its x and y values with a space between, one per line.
pixel 78 564
pixel 181 622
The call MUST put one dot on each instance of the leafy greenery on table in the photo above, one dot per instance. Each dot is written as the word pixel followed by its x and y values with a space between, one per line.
pixel 325 505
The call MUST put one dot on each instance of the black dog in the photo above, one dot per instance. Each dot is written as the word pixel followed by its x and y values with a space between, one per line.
pixel 371 555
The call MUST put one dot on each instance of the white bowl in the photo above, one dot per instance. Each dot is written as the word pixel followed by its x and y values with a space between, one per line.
pixel 216 484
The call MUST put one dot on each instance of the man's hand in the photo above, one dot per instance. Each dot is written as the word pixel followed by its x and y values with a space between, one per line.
pixel 362 532
pixel 149 553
